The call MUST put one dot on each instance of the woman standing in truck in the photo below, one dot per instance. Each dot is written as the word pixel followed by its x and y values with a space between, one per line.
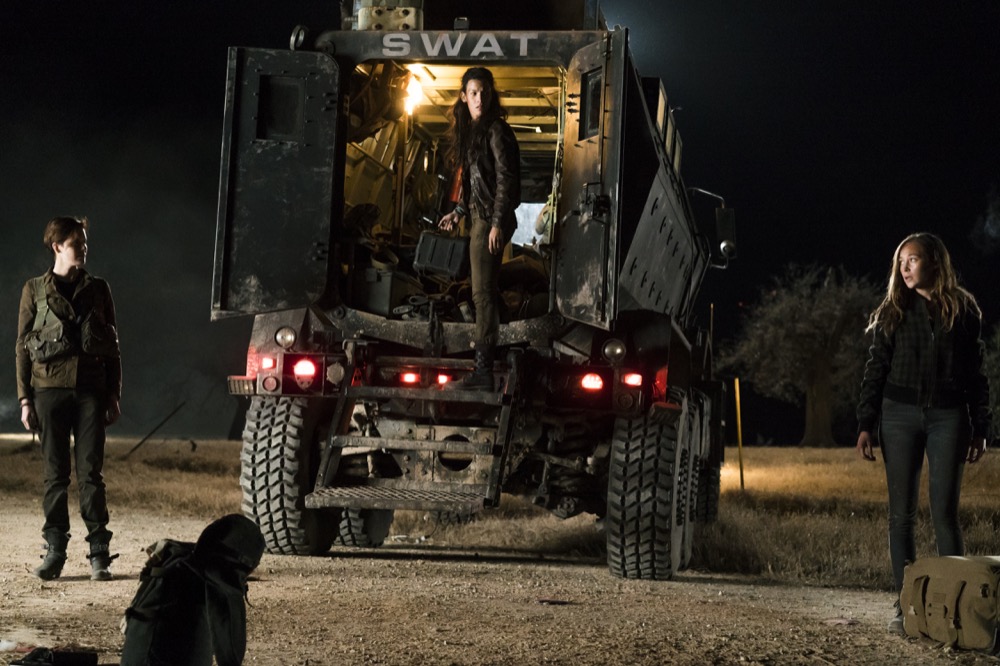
pixel 924 392
pixel 69 381
pixel 484 150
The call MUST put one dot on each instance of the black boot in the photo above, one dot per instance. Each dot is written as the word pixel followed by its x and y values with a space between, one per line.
pixel 53 560
pixel 100 561
pixel 481 378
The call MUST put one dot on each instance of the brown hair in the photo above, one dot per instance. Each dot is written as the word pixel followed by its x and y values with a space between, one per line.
pixel 950 299
pixel 59 229
pixel 461 132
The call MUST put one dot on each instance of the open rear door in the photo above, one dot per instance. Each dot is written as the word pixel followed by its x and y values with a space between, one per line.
pixel 277 190
pixel 589 193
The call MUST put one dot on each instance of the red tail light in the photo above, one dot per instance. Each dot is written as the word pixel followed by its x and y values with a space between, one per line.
pixel 267 363
pixel 409 378
pixel 592 382
pixel 443 379
pixel 632 379
pixel 304 368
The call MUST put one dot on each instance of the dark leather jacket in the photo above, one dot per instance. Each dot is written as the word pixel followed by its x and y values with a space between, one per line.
pixel 491 177
pixel 922 364
pixel 75 370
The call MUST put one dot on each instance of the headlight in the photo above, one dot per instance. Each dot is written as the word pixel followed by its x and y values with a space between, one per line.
pixel 614 350
pixel 285 337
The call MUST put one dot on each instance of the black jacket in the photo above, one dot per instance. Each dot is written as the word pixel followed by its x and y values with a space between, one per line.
pixel 491 177
pixel 922 364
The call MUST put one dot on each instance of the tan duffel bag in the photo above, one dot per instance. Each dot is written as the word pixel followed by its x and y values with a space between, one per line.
pixel 953 600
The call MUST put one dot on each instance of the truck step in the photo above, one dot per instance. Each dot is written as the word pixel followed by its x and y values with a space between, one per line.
pixel 435 395
pixel 398 444
pixel 381 497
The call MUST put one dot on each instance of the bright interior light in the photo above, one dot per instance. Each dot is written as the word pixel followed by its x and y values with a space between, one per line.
pixel 414 93
pixel 592 382
pixel 304 368
pixel 267 363
pixel 443 379
pixel 409 378
pixel 632 379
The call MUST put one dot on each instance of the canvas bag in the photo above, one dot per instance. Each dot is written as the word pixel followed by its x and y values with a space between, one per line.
pixel 190 602
pixel 953 600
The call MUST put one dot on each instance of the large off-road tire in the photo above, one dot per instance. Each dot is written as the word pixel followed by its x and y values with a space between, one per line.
pixel 279 461
pixel 687 486
pixel 642 501
pixel 364 528
pixel 709 485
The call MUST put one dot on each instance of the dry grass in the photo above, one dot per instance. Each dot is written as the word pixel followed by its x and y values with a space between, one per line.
pixel 814 516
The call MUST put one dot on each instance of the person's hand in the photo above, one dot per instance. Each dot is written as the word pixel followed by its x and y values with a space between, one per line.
pixel 28 417
pixel 114 410
pixel 977 449
pixel 496 240
pixel 449 221
pixel 866 446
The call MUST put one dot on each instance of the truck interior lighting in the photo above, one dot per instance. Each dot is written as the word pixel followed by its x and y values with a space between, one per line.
pixel 632 379
pixel 304 368
pixel 592 382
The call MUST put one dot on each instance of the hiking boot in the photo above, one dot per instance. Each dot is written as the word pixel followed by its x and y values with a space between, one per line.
pixel 481 378
pixel 895 625
pixel 100 561
pixel 52 562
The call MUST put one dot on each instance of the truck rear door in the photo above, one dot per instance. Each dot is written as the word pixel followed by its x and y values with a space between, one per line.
pixel 589 193
pixel 277 191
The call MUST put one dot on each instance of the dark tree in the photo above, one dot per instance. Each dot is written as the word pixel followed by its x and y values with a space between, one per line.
pixel 804 343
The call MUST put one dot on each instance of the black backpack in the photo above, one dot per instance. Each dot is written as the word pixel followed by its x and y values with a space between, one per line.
pixel 191 598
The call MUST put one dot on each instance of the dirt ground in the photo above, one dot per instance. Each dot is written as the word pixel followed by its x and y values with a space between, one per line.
pixel 428 603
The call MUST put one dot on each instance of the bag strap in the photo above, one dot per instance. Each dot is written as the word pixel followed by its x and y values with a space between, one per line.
pixel 918 602
pixel 41 302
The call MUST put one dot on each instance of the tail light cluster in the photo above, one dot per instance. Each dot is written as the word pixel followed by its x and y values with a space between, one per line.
pixel 300 374
pixel 615 389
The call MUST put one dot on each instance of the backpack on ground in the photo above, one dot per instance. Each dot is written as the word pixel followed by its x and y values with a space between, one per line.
pixel 191 598
pixel 953 600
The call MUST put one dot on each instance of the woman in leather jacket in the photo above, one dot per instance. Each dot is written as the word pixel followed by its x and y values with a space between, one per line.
pixel 69 382
pixel 924 392
pixel 484 150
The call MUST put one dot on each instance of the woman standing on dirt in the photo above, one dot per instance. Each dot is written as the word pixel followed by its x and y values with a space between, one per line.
pixel 924 391
pixel 69 380
pixel 484 150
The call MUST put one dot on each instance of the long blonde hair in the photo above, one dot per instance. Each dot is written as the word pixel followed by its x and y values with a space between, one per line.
pixel 950 299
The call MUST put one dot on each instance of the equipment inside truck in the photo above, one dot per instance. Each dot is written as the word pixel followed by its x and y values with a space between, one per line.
pixel 398 120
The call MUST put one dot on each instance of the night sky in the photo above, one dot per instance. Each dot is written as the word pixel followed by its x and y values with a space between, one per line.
pixel 834 128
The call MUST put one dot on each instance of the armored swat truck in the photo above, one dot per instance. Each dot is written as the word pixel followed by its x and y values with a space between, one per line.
pixel 332 181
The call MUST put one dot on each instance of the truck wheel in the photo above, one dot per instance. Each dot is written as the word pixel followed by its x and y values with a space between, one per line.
pixel 279 461
pixel 687 493
pixel 642 503
pixel 364 528
pixel 709 485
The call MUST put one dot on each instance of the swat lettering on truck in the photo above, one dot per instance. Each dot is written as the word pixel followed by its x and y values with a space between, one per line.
pixel 332 173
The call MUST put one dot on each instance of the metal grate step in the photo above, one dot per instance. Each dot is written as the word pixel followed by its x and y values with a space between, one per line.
pixel 369 497
pixel 396 444
pixel 433 394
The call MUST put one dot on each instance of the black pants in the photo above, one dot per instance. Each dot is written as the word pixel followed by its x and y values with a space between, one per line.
pixel 908 432
pixel 62 412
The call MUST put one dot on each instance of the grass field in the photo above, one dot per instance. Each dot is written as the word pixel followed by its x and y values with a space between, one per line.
pixel 813 516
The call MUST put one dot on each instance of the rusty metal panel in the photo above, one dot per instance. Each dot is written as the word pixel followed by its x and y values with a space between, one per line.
pixel 589 198
pixel 277 191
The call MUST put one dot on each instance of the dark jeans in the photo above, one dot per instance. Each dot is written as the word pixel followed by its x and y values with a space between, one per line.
pixel 907 432
pixel 485 267
pixel 62 412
